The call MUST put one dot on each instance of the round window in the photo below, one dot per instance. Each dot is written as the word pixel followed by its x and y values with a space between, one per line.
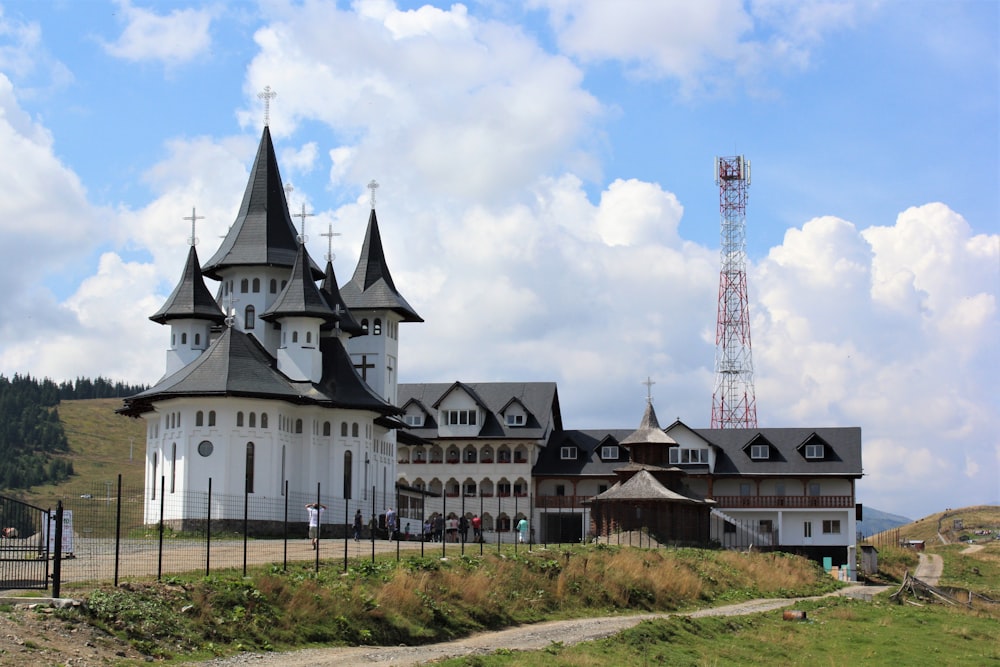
pixel 205 448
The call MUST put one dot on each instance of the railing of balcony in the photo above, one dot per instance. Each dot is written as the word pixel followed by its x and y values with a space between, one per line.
pixel 792 502
pixel 554 502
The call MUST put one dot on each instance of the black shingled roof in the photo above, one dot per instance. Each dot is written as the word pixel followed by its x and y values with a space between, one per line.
pixel 190 299
pixel 371 286
pixel 262 234
pixel 331 292
pixel 300 296
pixel 843 451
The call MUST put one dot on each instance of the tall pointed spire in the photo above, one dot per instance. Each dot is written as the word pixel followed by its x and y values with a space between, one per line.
pixel 263 233
pixel 300 297
pixel 371 287
pixel 190 298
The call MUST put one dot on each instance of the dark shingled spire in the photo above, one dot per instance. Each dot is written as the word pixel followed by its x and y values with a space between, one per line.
pixel 371 287
pixel 330 290
pixel 300 297
pixel 190 299
pixel 649 431
pixel 262 233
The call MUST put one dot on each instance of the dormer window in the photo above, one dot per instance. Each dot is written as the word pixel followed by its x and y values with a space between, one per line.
pixel 567 453
pixel 460 417
pixel 814 451
pixel 699 455
pixel 760 452
pixel 514 419
pixel 413 420
pixel 609 452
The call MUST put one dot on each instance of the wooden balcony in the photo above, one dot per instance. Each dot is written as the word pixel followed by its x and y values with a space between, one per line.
pixel 785 502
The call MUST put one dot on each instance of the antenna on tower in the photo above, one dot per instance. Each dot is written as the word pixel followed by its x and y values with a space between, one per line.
pixel 734 404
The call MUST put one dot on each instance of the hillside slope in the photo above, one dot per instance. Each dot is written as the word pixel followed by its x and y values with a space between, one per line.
pixel 99 444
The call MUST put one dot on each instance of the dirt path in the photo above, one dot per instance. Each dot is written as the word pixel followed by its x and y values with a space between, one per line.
pixel 929 568
pixel 527 637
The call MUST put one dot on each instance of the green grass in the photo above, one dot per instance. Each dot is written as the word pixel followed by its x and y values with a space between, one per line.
pixel 838 631
pixel 423 600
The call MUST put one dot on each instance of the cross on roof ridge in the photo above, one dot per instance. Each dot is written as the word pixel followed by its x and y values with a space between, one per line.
pixel 193 218
pixel 267 95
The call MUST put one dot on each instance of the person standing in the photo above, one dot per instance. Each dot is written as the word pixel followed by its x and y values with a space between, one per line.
pixel 315 511
pixel 358 522
pixel 463 528
pixel 477 528
pixel 390 523
pixel 522 530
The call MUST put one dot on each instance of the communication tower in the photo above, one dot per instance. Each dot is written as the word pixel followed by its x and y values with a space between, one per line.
pixel 733 401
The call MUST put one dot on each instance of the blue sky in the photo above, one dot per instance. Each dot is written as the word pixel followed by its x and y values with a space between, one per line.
pixel 546 196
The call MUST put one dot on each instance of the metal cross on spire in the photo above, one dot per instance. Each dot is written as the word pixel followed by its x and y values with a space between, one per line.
pixel 649 389
pixel 329 234
pixel 194 238
pixel 267 95
pixel 372 185
pixel 302 238
pixel 230 310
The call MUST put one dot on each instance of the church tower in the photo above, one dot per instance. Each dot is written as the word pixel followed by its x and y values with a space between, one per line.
pixel 191 311
pixel 373 298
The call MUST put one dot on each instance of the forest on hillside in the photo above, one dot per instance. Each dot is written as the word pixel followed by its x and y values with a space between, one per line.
pixel 31 435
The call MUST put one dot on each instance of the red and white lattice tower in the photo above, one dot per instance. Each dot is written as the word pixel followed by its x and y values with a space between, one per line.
pixel 733 401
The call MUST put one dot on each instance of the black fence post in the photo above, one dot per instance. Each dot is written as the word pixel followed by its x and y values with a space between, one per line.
pixel 57 563
pixel 481 540
pixel 444 519
pixel 208 531
pixel 373 523
pixel 347 528
pixel 517 538
pixel 319 524
pixel 398 521
pixel 284 533
pixel 118 528
pixel 246 521
pixel 159 549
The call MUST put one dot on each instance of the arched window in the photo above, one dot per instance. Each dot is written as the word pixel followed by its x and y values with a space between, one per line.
pixel 249 315
pixel 326 428
pixel 239 418
pixel 298 426
pixel 197 340
pixel 364 324
pixel 249 469
pixel 211 417
pixel 295 336
pixel 173 340
pixel 377 327
pixel 354 430
pixel 244 286
pixel 199 418
pixel 309 337
pixel 173 467
pixel 184 339
pixel 253 420
pixel 256 285
pixel 263 422
pixel 273 288
pixel 343 429
pixel 348 473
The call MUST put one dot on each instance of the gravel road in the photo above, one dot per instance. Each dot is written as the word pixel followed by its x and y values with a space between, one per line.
pixel 527 637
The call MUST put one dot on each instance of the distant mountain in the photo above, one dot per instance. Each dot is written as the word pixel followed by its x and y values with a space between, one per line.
pixel 876 521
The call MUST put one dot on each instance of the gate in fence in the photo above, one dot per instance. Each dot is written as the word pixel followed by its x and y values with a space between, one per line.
pixel 24 549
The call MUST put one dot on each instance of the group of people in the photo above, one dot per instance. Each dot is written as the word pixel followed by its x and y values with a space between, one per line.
pixel 436 529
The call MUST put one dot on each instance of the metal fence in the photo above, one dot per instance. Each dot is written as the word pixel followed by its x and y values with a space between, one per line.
pixel 24 549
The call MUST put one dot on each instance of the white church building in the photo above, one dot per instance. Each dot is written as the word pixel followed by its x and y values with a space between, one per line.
pixel 276 382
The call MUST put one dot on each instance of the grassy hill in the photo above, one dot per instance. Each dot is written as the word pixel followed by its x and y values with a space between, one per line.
pixel 99 449
pixel 977 517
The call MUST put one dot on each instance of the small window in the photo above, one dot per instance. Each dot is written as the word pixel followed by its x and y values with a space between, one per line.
pixel 263 420
pixel 244 286
pixel 414 420
pixel 807 529
pixel 256 285
pixel 609 452
pixel 295 336
pixel 567 453
pixel 197 340
pixel 515 420
pixel 249 317
pixel 239 419
pixel 199 418
pixel 211 417
pixel 377 327
pixel 309 337
pixel 759 452
pixel 273 286
pixel 354 430
pixel 184 339
pixel 601 488
pixel 205 448
pixel 326 428
pixel 343 429
pixel 173 468
pixel 298 426
pixel 831 526
pixel 814 451
pixel 253 420
pixel 560 489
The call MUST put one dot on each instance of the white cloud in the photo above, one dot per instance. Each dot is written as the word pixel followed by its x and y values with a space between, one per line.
pixel 174 38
